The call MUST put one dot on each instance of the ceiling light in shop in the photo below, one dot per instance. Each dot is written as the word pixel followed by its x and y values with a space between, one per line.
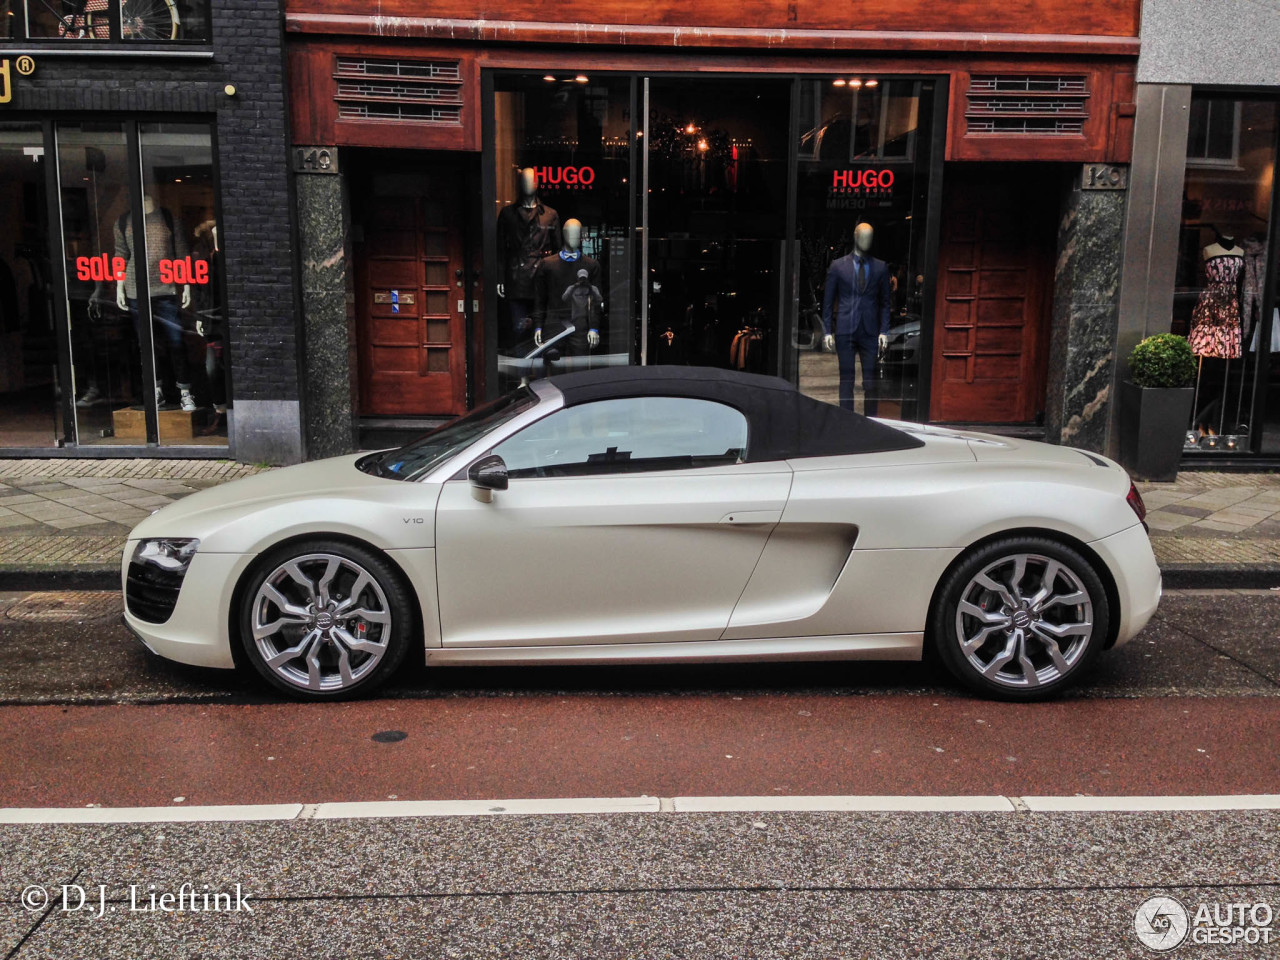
pixel 580 78
pixel 702 145
pixel 838 83
pixel 873 83
pixel 855 83
pixel 549 78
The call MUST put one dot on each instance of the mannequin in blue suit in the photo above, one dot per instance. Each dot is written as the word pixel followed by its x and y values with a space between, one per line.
pixel 855 315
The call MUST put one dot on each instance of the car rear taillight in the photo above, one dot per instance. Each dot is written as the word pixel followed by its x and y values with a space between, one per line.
pixel 1134 499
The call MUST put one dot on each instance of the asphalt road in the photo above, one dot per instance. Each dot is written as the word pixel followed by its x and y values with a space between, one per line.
pixel 1189 708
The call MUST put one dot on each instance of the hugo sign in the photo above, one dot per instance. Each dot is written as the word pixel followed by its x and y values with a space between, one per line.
pixel 571 178
pixel 862 180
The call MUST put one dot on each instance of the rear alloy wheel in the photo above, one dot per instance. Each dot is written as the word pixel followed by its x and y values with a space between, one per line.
pixel 1021 618
pixel 325 620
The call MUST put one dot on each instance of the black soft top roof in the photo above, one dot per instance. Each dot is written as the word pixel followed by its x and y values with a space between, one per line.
pixel 784 424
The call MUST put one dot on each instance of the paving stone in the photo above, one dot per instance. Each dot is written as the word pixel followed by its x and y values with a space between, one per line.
pixel 1167 521
pixel 15 520
pixel 1181 508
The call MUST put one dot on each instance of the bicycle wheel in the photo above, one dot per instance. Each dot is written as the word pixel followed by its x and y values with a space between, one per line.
pixel 149 20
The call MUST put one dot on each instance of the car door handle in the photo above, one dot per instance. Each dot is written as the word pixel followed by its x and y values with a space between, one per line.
pixel 745 517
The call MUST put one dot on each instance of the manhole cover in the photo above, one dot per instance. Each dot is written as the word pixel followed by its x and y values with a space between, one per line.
pixel 66 607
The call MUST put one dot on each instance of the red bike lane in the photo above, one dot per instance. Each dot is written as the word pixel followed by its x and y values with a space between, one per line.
pixel 548 746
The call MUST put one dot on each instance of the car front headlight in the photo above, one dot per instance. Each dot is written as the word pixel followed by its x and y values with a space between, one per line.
pixel 170 554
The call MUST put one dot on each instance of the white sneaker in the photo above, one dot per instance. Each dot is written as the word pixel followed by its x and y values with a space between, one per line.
pixel 160 401
pixel 91 396
pixel 188 401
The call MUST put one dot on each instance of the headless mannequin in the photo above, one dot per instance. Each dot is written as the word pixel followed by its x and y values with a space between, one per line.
pixel 863 234
pixel 122 300
pixel 1223 247
pixel 571 253
pixel 159 241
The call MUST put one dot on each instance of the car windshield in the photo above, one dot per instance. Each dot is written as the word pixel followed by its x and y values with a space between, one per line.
pixel 417 458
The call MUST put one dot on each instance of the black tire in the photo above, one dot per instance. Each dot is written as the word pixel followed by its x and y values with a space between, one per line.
pixel 353 638
pixel 1011 679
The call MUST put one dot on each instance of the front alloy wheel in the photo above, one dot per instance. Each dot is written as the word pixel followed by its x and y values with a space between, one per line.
pixel 1021 618
pixel 325 620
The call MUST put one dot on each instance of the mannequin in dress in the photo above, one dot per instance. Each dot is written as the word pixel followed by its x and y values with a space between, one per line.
pixel 528 231
pixel 568 292
pixel 855 315
pixel 165 240
pixel 1215 321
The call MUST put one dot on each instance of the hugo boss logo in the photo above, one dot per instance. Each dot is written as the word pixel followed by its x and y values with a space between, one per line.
pixel 574 178
pixel 862 180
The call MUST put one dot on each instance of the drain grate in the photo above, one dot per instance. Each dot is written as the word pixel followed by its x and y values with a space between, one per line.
pixel 66 606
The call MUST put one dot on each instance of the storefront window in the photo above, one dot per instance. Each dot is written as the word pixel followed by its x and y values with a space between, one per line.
pixel 561 216
pixel 28 350
pixel 1223 272
pixel 717 192
pixel 93 171
pixel 184 257
pixel 691 214
pixel 864 159
pixel 145 20
pixel 133 349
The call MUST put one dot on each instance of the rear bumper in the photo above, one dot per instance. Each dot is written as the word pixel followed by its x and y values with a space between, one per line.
pixel 1133 566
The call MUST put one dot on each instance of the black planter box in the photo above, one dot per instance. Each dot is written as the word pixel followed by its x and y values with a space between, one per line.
pixel 1153 425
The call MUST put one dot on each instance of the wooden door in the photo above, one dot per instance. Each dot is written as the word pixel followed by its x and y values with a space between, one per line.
pixel 410 327
pixel 995 267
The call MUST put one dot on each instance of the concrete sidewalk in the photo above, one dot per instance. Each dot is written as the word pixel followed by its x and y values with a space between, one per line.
pixel 64 522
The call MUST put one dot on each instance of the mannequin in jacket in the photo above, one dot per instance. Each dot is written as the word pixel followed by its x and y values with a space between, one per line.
pixel 855 315
pixel 528 231
pixel 568 292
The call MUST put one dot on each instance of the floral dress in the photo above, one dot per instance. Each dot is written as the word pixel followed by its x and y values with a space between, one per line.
pixel 1215 321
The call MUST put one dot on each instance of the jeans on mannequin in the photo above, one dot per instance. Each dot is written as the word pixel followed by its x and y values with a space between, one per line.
pixel 848 349
pixel 168 337
pixel 521 323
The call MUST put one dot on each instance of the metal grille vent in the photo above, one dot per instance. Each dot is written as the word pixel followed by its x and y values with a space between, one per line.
pixel 406 91
pixel 1027 105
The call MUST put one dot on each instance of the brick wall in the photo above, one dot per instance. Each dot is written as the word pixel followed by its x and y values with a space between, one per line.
pixel 252 143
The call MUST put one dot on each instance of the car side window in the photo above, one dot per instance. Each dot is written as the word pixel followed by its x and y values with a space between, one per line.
pixel 629 435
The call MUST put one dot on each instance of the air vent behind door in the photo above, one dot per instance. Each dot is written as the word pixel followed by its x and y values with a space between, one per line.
pixel 427 92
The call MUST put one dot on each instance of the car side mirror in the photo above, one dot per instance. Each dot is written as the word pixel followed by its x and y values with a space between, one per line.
pixel 487 475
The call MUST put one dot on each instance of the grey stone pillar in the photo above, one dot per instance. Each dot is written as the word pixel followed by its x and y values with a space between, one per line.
pixel 1086 307
pixel 328 380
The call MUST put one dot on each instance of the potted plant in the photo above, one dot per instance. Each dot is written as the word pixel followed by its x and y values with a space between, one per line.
pixel 1155 406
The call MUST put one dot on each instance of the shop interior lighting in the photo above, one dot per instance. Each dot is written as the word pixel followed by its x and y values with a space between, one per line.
pixel 838 82
pixel 873 83
pixel 549 78
pixel 855 83
pixel 581 78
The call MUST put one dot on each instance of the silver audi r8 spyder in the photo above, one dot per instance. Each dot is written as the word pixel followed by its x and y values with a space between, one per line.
pixel 643 514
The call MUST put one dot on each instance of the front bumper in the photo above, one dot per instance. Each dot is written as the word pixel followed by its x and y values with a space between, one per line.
pixel 1133 566
pixel 197 632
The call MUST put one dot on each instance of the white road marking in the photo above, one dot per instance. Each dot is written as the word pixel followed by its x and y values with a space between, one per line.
pixel 853 804
pixel 1145 804
pixel 562 806
pixel 183 814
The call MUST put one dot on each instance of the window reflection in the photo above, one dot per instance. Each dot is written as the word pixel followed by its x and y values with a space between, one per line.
pixel 1222 274
pixel 183 249
pixel 864 158
pixel 156 21
pixel 28 350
